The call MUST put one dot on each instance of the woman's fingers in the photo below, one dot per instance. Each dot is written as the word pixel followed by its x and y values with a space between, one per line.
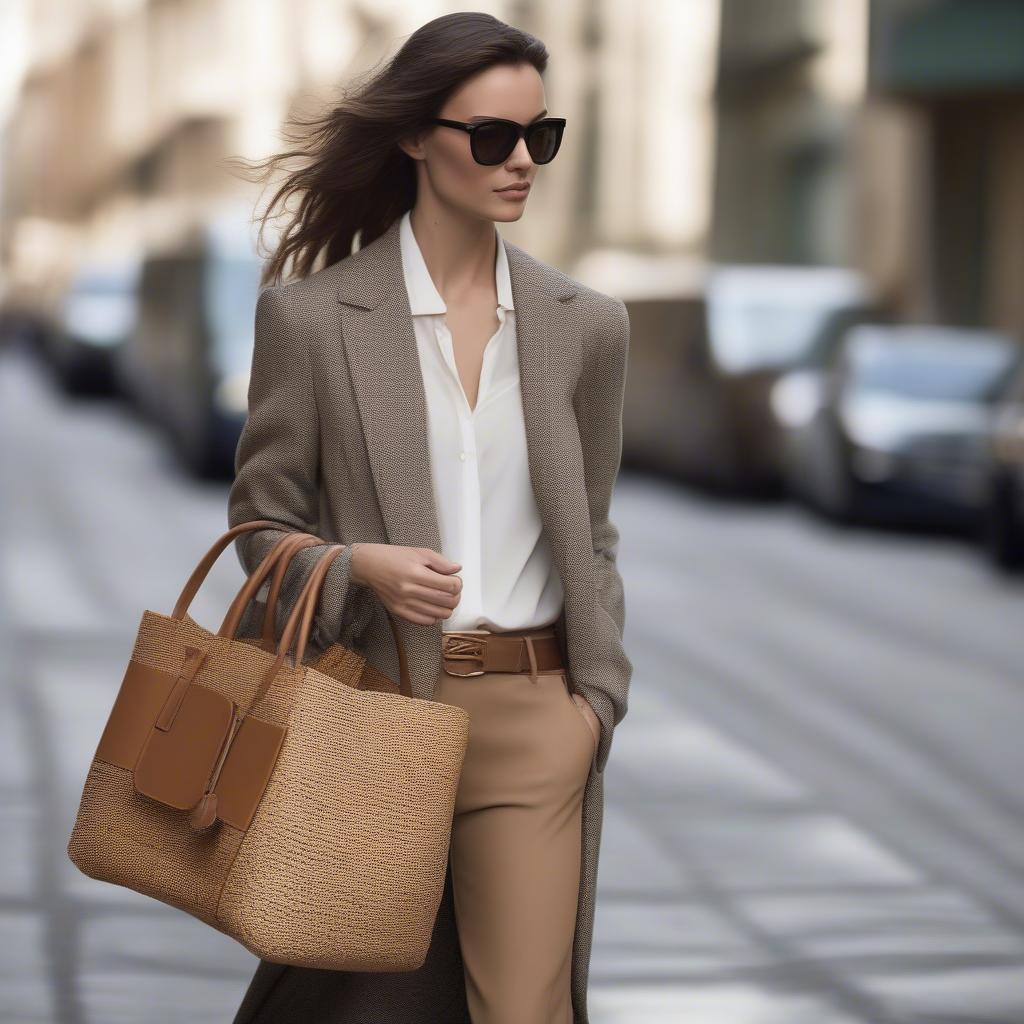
pixel 433 590
pixel 428 602
pixel 442 597
pixel 417 584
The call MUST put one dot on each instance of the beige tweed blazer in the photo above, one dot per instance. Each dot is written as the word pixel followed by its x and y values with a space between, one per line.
pixel 336 444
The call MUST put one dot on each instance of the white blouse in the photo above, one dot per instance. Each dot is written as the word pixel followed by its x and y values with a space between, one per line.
pixel 485 504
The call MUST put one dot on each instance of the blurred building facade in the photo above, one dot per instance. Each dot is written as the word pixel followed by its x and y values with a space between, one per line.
pixel 125 109
pixel 879 134
pixel 887 136
pixel 789 87
pixel 946 144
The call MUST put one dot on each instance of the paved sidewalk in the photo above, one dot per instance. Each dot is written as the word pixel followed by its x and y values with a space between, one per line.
pixel 813 808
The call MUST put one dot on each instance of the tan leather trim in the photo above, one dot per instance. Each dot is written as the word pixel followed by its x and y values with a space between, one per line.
pixel 175 764
pixel 247 770
pixel 247 767
pixel 193 662
pixel 141 696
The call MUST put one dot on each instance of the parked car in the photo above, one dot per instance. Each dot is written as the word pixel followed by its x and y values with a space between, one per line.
pixel 94 318
pixel 1004 510
pixel 903 429
pixel 763 321
pixel 800 399
pixel 186 366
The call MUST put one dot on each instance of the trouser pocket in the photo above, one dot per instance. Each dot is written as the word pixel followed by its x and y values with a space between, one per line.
pixel 591 729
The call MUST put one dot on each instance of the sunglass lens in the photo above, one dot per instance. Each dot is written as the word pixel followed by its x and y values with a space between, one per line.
pixel 492 143
pixel 543 140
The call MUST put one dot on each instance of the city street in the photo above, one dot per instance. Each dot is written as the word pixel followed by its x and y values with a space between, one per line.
pixel 814 809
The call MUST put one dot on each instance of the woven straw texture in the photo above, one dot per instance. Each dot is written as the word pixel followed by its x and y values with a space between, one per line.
pixel 343 865
pixel 336 444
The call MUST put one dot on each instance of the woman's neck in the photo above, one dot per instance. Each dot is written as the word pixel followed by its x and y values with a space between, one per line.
pixel 459 252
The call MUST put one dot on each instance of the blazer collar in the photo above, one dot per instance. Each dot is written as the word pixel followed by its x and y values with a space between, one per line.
pixel 380 347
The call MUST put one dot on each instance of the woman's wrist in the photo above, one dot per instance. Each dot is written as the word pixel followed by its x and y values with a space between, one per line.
pixel 355 565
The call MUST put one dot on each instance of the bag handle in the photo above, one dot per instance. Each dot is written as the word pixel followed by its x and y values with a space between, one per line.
pixel 278 558
pixel 202 570
pixel 311 588
pixel 271 612
pixel 306 606
pixel 309 596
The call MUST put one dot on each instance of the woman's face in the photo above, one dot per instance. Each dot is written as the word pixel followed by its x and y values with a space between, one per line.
pixel 515 93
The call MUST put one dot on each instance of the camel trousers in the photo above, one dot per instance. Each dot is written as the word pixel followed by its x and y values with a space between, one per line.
pixel 515 843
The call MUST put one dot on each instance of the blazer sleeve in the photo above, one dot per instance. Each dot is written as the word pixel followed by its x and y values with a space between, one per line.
pixel 599 398
pixel 277 476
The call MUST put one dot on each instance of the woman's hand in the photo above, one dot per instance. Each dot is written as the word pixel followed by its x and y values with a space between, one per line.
pixel 417 584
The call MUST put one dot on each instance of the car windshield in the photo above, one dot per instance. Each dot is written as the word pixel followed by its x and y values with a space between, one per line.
pixel 971 371
pixel 100 305
pixel 755 335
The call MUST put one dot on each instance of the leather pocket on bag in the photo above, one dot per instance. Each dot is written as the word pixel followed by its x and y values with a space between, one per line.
pixel 176 763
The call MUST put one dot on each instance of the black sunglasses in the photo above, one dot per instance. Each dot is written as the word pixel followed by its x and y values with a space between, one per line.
pixel 492 141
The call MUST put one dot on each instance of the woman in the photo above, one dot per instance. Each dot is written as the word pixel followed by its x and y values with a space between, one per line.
pixel 449 408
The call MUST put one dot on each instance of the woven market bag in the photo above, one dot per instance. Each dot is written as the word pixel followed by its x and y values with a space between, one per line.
pixel 308 820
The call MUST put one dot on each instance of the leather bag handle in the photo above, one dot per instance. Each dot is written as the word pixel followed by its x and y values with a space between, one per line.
pixel 202 570
pixel 310 594
pixel 278 558
pixel 272 610
pixel 311 588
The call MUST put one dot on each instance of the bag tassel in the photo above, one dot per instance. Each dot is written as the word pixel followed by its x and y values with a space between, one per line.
pixel 204 813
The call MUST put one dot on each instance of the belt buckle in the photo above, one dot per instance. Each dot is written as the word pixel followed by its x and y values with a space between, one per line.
pixel 460 645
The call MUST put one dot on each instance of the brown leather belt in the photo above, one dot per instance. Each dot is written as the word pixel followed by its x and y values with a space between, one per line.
pixel 474 652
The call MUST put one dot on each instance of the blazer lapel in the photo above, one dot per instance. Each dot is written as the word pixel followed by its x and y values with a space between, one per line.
pixel 380 347
pixel 549 330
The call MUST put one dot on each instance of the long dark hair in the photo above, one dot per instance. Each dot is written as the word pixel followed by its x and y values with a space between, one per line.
pixel 354 178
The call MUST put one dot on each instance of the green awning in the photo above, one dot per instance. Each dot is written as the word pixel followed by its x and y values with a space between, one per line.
pixel 951 46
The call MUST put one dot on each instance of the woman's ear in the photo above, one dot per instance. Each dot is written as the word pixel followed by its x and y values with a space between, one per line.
pixel 412 145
